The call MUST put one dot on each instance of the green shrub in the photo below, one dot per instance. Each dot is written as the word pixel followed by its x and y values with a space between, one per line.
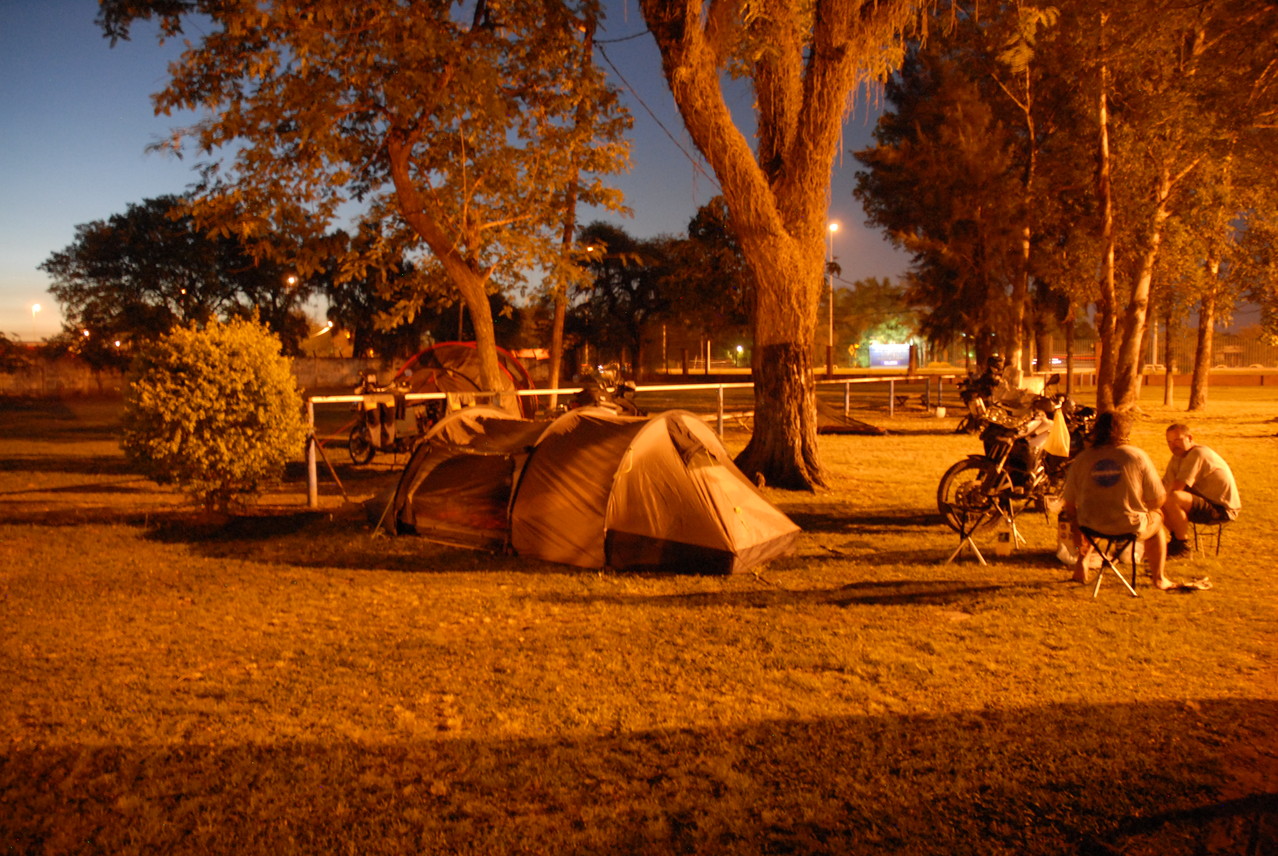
pixel 215 411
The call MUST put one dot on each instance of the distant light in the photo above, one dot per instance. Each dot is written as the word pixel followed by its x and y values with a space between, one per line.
pixel 117 343
pixel 834 226
pixel 291 280
pixel 35 307
pixel 86 333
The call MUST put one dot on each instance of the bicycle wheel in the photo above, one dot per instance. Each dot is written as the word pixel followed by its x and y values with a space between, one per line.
pixel 965 496
pixel 360 445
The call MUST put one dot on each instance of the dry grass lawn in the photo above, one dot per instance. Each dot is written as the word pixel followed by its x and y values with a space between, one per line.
pixel 284 682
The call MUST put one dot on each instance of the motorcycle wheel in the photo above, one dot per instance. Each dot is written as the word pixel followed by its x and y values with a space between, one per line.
pixel 360 445
pixel 964 496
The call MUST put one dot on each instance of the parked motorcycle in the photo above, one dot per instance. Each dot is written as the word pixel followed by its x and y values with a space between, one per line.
pixel 977 394
pixel 375 425
pixel 1014 471
pixel 595 393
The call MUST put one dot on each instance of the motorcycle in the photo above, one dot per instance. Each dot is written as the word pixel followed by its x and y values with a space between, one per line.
pixel 977 392
pixel 595 393
pixel 1014 471
pixel 375 426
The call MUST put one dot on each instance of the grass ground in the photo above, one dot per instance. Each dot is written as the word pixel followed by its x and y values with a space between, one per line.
pixel 284 682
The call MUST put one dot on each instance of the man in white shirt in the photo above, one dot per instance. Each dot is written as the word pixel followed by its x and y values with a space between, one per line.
pixel 1113 488
pixel 1200 488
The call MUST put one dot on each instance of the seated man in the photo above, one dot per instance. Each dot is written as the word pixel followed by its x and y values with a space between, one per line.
pixel 1113 488
pixel 1200 488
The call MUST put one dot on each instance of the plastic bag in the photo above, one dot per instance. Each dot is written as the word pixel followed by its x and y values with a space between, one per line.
pixel 1058 439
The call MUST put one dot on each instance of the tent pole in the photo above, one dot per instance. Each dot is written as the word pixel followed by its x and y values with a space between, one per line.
pixel 720 405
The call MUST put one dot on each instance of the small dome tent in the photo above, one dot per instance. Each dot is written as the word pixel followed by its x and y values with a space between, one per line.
pixel 453 367
pixel 592 489
pixel 658 493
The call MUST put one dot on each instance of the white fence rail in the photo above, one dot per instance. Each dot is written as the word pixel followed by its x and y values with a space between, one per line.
pixel 312 477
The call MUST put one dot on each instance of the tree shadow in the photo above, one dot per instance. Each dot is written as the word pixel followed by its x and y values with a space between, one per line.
pixel 84 465
pixel 953 593
pixel 862 522
pixel 1067 778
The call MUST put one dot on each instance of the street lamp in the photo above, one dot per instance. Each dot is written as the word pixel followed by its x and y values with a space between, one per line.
pixel 829 272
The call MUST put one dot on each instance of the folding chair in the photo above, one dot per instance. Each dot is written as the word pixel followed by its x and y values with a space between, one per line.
pixel 1211 534
pixel 1110 548
pixel 968 524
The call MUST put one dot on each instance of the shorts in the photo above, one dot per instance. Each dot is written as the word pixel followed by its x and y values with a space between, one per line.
pixel 1153 524
pixel 1206 513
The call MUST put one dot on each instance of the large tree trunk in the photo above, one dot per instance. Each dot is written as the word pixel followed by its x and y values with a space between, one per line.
pixel 778 197
pixel 1203 350
pixel 782 449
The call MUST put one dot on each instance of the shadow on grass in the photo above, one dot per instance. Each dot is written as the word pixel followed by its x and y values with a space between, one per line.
pixel 864 523
pixel 953 593
pixel 1090 779
pixel 84 465
pixel 57 420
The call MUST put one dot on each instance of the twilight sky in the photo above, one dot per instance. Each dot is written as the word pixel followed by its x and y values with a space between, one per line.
pixel 78 119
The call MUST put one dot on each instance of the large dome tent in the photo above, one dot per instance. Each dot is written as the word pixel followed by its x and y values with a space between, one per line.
pixel 591 489
pixel 631 493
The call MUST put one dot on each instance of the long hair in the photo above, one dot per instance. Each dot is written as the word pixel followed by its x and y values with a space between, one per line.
pixel 1113 428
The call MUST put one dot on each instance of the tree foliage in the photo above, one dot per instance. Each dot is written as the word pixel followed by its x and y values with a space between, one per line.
pixel 624 292
pixel 873 311
pixel 215 411
pixel 449 129
pixel 714 286
pixel 136 275
pixel 1180 97
pixel 941 182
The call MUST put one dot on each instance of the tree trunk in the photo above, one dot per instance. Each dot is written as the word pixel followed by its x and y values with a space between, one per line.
pixel 782 448
pixel 470 283
pixel 777 193
pixel 1016 360
pixel 1107 301
pixel 1169 362
pixel 560 290
pixel 1130 357
pixel 1203 350
pixel 1069 353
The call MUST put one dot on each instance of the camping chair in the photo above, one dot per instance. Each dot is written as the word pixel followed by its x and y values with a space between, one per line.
pixel 1110 548
pixel 968 525
pixel 1210 534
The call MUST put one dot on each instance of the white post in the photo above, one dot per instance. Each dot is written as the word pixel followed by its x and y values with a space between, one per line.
pixel 312 480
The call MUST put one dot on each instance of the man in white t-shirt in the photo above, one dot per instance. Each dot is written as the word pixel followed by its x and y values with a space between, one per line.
pixel 1200 488
pixel 1113 488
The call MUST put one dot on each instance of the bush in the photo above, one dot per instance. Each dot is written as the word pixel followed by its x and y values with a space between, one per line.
pixel 215 411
